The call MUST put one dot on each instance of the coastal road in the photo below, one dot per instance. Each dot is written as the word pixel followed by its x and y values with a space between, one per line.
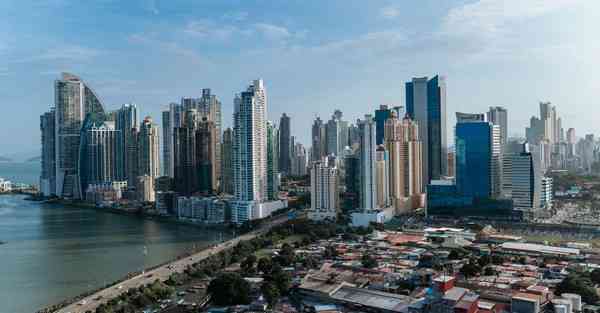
pixel 162 273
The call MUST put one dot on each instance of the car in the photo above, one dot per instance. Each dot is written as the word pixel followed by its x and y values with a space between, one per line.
pixel 149 275
pixel 83 302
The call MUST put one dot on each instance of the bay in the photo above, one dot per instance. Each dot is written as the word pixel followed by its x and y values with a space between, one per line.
pixel 53 252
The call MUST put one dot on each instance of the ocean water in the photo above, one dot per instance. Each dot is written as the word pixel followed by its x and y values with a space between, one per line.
pixel 21 172
pixel 53 252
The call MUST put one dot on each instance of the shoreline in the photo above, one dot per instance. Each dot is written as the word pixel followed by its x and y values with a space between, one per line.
pixel 161 272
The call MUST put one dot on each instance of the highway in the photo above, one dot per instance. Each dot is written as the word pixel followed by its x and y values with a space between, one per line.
pixel 162 273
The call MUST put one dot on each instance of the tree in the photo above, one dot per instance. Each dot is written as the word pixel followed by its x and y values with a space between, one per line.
pixel 248 264
pixel 484 260
pixel 265 265
pixel 286 255
pixel 595 276
pixel 368 261
pixel 470 269
pixel 489 271
pixel 270 292
pixel 330 252
pixel 229 289
pixel 578 284
pixel 280 278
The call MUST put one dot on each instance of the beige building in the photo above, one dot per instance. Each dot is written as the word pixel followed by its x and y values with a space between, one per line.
pixel 405 162
pixel 324 191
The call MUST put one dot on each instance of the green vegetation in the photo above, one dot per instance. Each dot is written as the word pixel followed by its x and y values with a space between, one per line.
pixel 368 261
pixel 135 299
pixel 229 289
pixel 580 283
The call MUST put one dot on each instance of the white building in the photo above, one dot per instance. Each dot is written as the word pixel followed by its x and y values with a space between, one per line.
pixel 250 145
pixel 145 188
pixel 324 191
pixel 546 192
pixel 366 217
pixel 5 185
pixel 368 149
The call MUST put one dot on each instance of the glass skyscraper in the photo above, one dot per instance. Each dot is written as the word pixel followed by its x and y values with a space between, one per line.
pixel 426 104
pixel 478 159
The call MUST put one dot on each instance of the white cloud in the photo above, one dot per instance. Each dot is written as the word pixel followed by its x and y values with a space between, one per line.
pixel 389 12
pixel 273 32
pixel 205 28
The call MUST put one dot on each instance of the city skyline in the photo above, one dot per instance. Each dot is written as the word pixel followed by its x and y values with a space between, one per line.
pixel 482 69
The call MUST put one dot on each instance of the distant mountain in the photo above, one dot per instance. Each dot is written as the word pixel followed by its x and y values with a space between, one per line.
pixel 5 159
pixel 34 159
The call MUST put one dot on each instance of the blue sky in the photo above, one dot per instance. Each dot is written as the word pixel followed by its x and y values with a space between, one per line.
pixel 314 55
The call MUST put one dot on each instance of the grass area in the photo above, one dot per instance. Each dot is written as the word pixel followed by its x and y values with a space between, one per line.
pixel 292 239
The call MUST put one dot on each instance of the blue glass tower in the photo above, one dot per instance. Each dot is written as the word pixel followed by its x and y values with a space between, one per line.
pixel 426 104
pixel 381 115
pixel 473 159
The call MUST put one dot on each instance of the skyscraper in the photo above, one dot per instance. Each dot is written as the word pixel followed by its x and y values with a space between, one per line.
pixel 525 179
pixel 227 162
pixel 499 116
pixel 171 119
pixel 272 161
pixel 426 104
pixel 250 146
pixel 319 140
pixel 206 155
pixel 250 154
pixel 478 159
pixel 336 132
pixel 73 101
pixel 148 149
pixel 298 160
pixel 368 157
pixel 381 115
pixel 99 152
pixel 127 124
pixel 185 157
pixel 382 180
pixel 405 174
pixel 324 191
pixel 285 148
pixel 48 153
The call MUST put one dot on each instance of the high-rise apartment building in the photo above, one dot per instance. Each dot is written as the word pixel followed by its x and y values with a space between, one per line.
pixel 171 119
pixel 99 152
pixel 478 159
pixel 402 141
pixel 48 153
pixel 299 159
pixel 272 161
pixel 73 101
pixel 499 116
pixel 206 155
pixel 250 146
pixel 324 191
pixel 185 157
pixel 319 140
pixel 148 149
pixel 426 104
pixel 382 180
pixel 227 162
pixel 285 149
pixel 336 131
pixel 127 124
pixel 368 157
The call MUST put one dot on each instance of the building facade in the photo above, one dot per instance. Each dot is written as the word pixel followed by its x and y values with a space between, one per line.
pixel 368 157
pixel 73 101
pixel 426 104
pixel 285 148
pixel 478 159
pixel 148 149
pixel 324 191
pixel 48 154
